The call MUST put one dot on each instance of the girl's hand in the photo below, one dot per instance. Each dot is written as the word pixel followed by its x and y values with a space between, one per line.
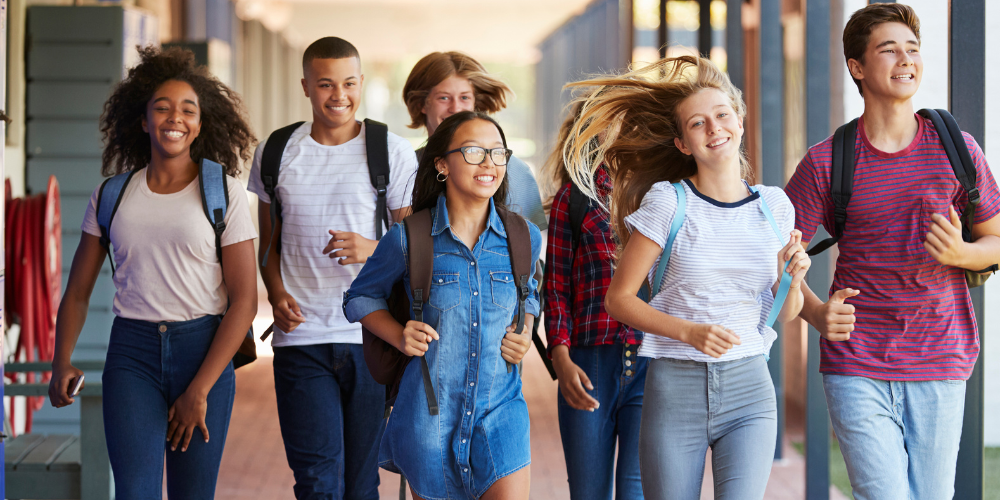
pixel 62 381
pixel 515 346
pixel 713 340
pixel 794 255
pixel 187 413
pixel 573 381
pixel 416 338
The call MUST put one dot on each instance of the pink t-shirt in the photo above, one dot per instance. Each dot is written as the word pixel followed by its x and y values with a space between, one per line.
pixel 166 266
pixel 914 316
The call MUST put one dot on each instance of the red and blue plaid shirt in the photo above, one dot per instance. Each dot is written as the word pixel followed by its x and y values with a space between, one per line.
pixel 577 281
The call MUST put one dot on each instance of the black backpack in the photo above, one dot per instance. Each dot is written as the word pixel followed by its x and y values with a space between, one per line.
pixel 377 151
pixel 842 179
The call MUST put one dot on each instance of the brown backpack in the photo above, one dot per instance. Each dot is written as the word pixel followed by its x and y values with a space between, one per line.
pixel 385 362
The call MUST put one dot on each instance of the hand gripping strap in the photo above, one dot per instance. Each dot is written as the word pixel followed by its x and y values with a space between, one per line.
pixel 420 245
pixel 786 279
pixel 270 166
pixel 675 227
pixel 108 199
pixel 519 248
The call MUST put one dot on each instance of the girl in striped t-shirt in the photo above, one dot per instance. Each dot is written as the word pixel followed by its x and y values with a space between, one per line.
pixel 707 385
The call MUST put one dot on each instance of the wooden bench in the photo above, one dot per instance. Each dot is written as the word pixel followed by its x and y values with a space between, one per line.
pixel 60 467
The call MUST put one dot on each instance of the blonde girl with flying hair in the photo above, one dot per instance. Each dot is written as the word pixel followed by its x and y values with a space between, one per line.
pixel 671 141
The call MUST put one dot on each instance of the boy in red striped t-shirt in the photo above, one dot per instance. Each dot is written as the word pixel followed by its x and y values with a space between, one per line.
pixel 895 359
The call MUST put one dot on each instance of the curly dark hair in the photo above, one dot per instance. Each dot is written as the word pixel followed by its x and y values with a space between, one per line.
pixel 427 188
pixel 225 135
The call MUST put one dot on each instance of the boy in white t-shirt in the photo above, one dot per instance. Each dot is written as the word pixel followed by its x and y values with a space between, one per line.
pixel 329 407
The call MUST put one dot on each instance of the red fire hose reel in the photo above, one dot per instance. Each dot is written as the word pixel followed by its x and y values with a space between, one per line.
pixel 33 257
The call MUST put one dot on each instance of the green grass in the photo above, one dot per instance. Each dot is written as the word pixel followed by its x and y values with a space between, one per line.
pixel 838 470
pixel 992 473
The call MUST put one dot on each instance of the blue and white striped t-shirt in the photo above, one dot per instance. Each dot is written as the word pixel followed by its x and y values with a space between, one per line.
pixel 722 266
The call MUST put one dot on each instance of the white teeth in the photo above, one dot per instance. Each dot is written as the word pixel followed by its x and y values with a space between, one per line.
pixel 173 134
pixel 484 178
pixel 903 77
pixel 718 142
pixel 339 108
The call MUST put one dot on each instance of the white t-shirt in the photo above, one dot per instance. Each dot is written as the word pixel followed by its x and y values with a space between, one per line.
pixel 722 266
pixel 166 265
pixel 322 188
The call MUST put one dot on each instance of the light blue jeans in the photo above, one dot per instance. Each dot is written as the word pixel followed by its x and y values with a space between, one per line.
pixel 690 406
pixel 899 439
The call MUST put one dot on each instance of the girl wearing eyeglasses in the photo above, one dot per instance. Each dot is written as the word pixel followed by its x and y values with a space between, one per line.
pixel 477 445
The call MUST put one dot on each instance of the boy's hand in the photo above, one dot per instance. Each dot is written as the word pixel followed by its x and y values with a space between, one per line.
pixel 351 248
pixel 838 317
pixel 944 239
pixel 573 381
pixel 416 338
pixel 287 315
pixel 515 346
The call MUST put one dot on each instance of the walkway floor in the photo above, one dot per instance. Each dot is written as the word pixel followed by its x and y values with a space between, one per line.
pixel 254 462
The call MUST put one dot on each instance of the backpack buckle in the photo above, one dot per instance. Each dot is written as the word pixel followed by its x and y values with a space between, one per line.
pixel 380 185
pixel 522 288
pixel 220 227
pixel 974 196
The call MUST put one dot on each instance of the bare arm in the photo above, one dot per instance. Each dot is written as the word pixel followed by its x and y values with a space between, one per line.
pixel 87 262
pixel 189 410
pixel 287 315
pixel 622 303
pixel 944 242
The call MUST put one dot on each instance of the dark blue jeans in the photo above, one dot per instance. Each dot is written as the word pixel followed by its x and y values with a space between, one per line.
pixel 149 366
pixel 330 410
pixel 589 438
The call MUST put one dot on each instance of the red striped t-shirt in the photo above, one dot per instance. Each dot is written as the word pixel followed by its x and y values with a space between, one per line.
pixel 914 316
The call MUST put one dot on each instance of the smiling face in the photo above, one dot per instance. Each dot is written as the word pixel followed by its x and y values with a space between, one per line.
pixel 478 182
pixel 892 66
pixel 452 95
pixel 173 119
pixel 333 86
pixel 712 129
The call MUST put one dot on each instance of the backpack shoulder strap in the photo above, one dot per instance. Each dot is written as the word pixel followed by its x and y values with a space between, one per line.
pixel 675 227
pixel 960 160
pixel 377 149
pixel 519 248
pixel 270 165
pixel 579 205
pixel 420 247
pixel 108 200
pixel 841 181
pixel 214 199
pixel 784 286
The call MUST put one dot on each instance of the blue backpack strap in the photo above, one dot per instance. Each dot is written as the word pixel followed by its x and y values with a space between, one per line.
pixel 108 199
pixel 675 226
pixel 214 198
pixel 786 279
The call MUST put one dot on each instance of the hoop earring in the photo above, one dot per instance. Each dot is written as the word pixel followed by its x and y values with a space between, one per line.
pixel 439 179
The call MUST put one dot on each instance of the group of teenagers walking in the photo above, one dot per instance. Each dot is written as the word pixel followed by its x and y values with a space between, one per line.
pixel 665 269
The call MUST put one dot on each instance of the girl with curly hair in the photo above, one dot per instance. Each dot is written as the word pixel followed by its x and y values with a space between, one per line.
pixel 181 313
pixel 670 136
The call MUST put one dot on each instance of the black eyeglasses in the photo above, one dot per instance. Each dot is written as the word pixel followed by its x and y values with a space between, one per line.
pixel 475 155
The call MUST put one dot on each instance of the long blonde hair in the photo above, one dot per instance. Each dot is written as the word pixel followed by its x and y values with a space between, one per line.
pixel 628 124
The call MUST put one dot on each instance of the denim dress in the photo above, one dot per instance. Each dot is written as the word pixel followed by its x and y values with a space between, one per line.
pixel 481 432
